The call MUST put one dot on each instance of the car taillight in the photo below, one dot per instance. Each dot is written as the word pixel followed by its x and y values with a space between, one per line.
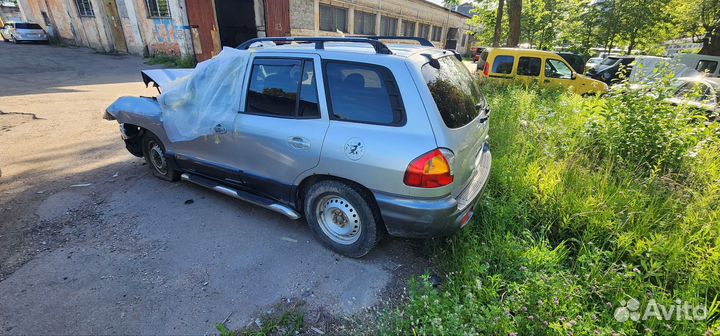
pixel 486 70
pixel 430 170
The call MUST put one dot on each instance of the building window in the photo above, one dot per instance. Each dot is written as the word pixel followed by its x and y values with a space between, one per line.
pixel 388 26
pixel 408 28
pixel 84 8
pixel 158 8
pixel 364 23
pixel 333 18
pixel 424 30
pixel 436 33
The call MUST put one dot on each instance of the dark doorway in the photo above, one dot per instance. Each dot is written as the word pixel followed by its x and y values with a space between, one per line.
pixel 236 21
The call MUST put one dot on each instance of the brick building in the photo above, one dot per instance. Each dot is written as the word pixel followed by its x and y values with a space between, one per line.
pixel 202 27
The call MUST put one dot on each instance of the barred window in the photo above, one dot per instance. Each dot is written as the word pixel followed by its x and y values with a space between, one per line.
pixel 333 18
pixel 364 23
pixel 158 8
pixel 388 26
pixel 84 8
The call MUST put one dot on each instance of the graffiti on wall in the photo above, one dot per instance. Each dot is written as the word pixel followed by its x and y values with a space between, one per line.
pixel 168 36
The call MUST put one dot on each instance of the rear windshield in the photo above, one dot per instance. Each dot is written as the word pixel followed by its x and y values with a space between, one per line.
pixel 455 90
pixel 27 26
pixel 482 60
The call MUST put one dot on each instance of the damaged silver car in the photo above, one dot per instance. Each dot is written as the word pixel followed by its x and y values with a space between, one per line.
pixel 359 137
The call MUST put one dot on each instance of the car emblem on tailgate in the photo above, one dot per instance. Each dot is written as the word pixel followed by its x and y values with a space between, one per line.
pixel 354 149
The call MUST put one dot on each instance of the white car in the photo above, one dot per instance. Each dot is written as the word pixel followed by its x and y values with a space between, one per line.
pixel 710 65
pixel 592 62
pixel 16 32
pixel 701 93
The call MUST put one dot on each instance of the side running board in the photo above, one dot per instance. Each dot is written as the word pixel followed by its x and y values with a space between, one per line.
pixel 241 195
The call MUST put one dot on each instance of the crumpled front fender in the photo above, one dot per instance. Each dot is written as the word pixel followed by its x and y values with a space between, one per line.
pixel 142 112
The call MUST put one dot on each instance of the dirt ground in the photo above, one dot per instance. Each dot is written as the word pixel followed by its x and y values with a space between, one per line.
pixel 91 243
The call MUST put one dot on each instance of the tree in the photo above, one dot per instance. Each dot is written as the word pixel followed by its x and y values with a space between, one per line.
pixel 642 22
pixel 515 12
pixel 498 23
pixel 699 19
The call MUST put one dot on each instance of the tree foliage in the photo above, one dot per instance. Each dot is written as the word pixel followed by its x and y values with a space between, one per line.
pixel 579 25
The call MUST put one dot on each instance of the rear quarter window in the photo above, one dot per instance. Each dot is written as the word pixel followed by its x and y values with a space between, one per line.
pixel 503 64
pixel 455 90
pixel 363 93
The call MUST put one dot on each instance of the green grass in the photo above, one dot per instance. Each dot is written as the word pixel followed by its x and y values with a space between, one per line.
pixel 289 320
pixel 590 202
pixel 172 61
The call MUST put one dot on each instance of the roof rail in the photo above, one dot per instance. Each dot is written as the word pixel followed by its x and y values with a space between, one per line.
pixel 423 41
pixel 319 42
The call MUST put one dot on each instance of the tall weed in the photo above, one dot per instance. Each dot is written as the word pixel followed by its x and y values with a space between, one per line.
pixel 591 202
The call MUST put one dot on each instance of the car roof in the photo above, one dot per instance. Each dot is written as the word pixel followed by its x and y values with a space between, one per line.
pixel 400 49
pixel 526 51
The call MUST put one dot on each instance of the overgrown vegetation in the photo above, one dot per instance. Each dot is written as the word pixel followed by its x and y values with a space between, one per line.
pixel 172 61
pixel 592 203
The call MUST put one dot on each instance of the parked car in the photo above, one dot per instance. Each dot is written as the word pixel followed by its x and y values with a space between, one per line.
pixel 700 93
pixel 592 62
pixel 23 32
pixel 610 69
pixel 703 63
pixel 476 53
pixel 544 67
pixel 577 62
pixel 359 137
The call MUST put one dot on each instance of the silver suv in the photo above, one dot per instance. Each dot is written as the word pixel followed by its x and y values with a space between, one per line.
pixel 370 138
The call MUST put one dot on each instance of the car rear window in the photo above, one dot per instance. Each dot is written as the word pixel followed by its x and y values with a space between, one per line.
pixel 363 93
pixel 706 66
pixel 483 59
pixel 455 90
pixel 27 26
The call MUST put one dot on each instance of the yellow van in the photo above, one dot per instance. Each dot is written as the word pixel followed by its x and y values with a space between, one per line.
pixel 528 65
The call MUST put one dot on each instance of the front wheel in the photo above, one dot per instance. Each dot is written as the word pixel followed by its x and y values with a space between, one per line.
pixel 154 153
pixel 343 218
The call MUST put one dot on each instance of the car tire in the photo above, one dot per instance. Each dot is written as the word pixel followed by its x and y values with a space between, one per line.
pixel 154 152
pixel 343 218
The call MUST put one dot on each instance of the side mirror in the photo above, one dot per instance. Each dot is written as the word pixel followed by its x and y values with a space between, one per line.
pixel 573 76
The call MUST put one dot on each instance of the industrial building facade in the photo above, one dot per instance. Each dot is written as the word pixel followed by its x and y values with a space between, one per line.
pixel 201 27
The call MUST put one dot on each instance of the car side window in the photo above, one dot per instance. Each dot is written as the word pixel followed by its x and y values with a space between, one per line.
pixel 529 66
pixel 283 88
pixel 707 66
pixel 363 93
pixel 557 69
pixel 503 64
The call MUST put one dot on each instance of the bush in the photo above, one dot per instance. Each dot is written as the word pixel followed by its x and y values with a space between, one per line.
pixel 576 221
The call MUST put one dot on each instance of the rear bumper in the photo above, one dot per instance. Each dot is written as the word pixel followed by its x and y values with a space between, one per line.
pixel 424 218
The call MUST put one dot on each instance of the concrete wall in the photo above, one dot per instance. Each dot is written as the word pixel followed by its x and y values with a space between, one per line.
pixel 305 17
pixel 142 35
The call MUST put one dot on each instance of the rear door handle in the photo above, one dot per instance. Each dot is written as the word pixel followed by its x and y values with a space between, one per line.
pixel 298 142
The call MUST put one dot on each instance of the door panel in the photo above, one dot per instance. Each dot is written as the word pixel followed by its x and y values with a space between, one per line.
pixel 201 16
pixel 277 13
pixel 260 152
pixel 116 30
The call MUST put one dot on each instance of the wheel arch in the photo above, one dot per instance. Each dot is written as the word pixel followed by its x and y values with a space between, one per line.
pixel 302 187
